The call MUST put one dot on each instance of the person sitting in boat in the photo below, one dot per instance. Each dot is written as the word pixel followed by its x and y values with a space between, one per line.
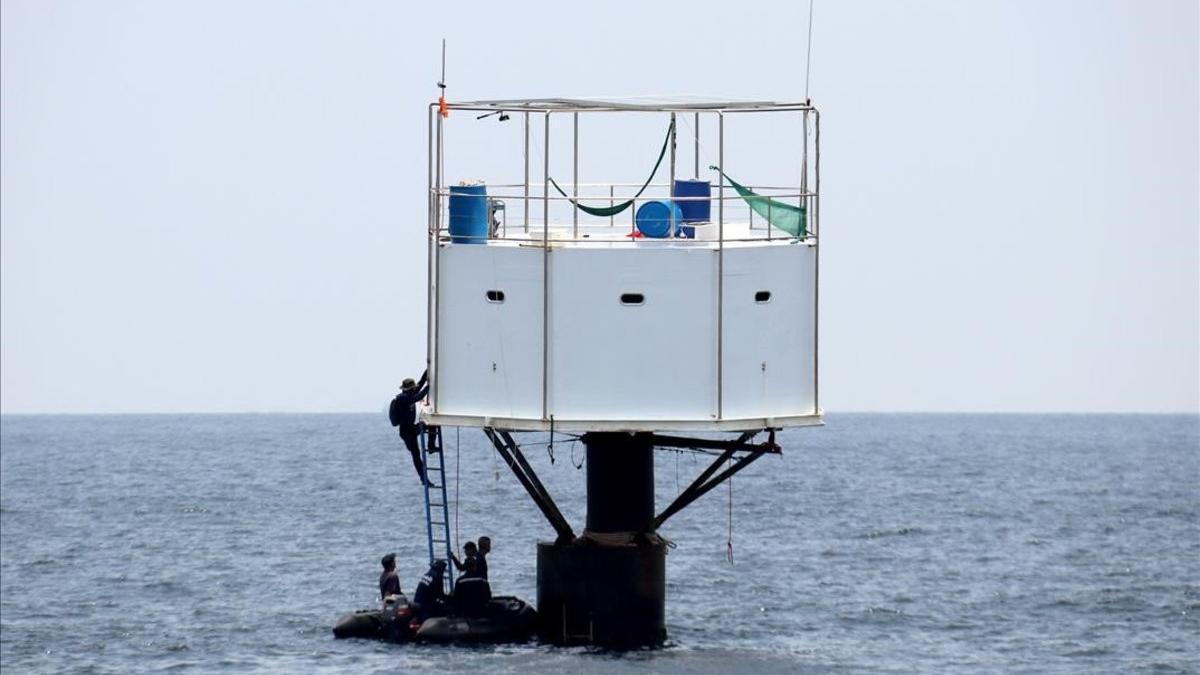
pixel 403 414
pixel 389 581
pixel 471 591
pixel 430 597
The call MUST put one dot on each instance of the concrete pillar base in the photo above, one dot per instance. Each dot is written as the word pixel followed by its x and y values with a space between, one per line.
pixel 602 595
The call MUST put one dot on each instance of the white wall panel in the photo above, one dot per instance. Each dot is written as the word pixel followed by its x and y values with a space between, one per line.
pixel 652 361
pixel 490 354
pixel 768 362
pixel 610 362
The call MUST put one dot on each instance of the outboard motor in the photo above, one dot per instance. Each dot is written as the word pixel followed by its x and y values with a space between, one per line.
pixel 390 623
pixel 396 615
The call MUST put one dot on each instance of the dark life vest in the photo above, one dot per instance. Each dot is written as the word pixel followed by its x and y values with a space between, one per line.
pixel 429 590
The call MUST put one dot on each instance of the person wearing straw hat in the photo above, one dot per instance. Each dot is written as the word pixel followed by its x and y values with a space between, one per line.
pixel 403 414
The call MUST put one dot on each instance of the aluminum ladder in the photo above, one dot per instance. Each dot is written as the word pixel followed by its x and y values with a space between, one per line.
pixel 436 503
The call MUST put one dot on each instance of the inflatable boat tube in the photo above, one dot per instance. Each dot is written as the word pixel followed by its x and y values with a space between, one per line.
pixel 365 623
pixel 507 619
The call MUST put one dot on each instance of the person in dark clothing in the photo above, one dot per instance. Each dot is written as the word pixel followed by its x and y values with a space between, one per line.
pixel 485 547
pixel 403 414
pixel 389 581
pixel 430 597
pixel 471 591
pixel 469 551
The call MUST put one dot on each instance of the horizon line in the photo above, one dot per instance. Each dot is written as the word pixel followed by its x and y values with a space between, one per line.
pixel 370 412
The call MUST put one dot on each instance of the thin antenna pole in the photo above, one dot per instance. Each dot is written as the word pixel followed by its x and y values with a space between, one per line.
pixel 808 58
pixel 696 148
pixel 442 82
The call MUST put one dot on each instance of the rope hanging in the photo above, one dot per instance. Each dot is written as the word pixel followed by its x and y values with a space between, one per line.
pixel 457 458
pixel 607 211
pixel 729 541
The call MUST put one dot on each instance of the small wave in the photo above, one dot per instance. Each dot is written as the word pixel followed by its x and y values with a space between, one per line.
pixel 1167 667
pixel 1062 602
pixel 899 532
pixel 1089 651
pixel 875 615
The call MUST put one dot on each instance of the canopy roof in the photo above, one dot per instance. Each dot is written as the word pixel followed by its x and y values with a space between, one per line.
pixel 649 103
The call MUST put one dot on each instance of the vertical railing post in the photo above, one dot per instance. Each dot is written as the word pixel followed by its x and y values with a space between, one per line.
pixel 720 265
pixel 526 125
pixel 768 219
pixel 804 170
pixel 696 145
pixel 816 259
pixel 430 243
pixel 671 183
pixel 546 275
pixel 575 191
pixel 434 388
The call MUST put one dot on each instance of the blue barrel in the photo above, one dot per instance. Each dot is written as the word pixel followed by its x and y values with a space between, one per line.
pixel 654 218
pixel 694 210
pixel 468 214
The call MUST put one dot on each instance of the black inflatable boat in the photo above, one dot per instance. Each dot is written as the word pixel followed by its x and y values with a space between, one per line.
pixel 506 619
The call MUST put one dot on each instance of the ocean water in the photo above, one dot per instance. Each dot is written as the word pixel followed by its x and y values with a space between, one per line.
pixel 879 543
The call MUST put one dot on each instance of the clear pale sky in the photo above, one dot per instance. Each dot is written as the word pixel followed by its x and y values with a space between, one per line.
pixel 219 206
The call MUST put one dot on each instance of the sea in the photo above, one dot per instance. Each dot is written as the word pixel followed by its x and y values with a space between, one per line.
pixel 879 543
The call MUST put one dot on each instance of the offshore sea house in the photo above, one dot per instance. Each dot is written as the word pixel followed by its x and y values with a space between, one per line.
pixel 622 311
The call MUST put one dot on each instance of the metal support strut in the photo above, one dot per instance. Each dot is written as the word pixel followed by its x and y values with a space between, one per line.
pixel 705 481
pixel 510 452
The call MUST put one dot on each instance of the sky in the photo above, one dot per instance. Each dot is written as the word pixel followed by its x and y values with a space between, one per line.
pixel 219 206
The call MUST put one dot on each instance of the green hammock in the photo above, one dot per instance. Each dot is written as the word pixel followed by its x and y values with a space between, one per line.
pixel 606 211
pixel 789 218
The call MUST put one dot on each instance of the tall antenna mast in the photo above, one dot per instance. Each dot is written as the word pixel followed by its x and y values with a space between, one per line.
pixel 807 59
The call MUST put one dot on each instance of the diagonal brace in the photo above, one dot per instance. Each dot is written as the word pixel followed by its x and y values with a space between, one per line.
pixel 510 452
pixel 702 485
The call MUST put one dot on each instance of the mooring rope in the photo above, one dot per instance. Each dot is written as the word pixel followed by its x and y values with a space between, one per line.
pixel 457 464
pixel 729 541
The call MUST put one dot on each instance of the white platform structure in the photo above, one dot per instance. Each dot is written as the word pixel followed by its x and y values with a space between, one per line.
pixel 560 320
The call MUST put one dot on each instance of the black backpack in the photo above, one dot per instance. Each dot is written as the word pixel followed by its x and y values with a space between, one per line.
pixel 396 411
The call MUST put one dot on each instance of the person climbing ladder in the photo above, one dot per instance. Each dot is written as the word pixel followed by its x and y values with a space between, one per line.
pixel 403 414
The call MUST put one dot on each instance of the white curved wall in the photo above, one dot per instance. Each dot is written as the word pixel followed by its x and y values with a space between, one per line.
pixel 636 367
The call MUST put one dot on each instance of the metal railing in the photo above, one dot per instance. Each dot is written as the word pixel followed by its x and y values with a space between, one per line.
pixel 567 227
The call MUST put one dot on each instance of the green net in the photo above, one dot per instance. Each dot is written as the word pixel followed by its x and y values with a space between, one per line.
pixel 784 216
pixel 606 211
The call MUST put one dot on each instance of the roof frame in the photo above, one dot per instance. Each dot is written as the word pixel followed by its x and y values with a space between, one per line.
pixel 644 104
